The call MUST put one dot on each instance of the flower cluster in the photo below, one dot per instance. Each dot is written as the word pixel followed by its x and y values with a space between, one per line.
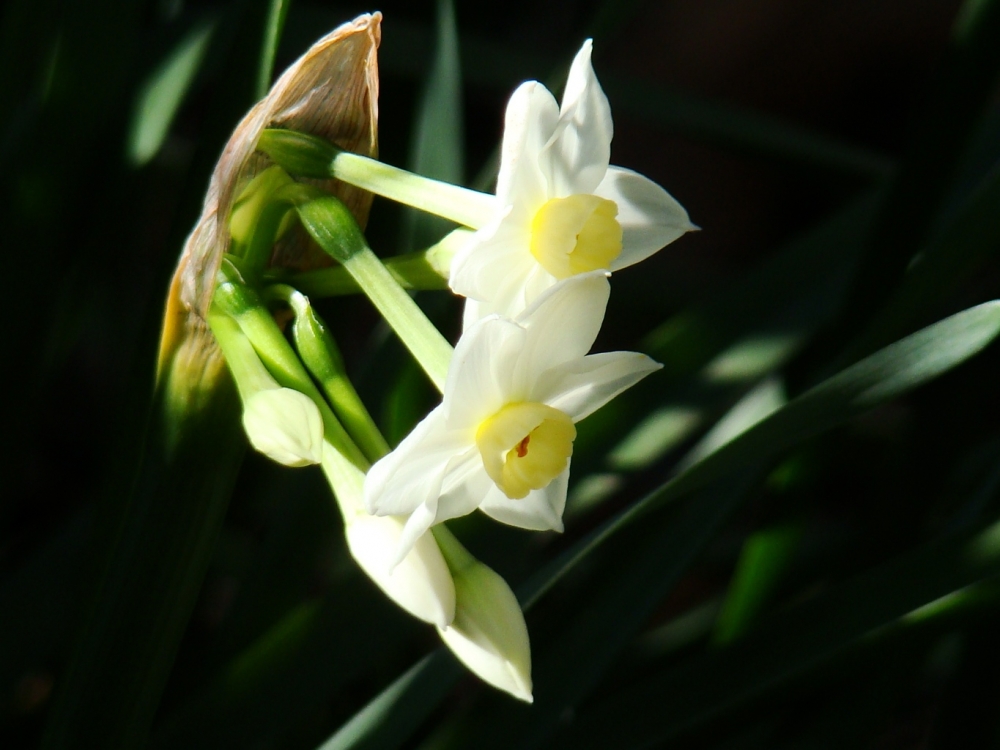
pixel 535 273
pixel 536 282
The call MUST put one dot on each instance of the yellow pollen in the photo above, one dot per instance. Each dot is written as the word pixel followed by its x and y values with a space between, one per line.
pixel 525 446
pixel 576 234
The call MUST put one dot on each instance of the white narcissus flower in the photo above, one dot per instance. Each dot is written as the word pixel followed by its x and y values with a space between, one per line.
pixel 502 438
pixel 562 210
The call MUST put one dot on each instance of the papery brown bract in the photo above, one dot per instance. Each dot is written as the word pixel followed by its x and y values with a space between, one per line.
pixel 330 92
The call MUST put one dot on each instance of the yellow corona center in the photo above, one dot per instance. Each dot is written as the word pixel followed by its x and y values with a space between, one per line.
pixel 525 446
pixel 576 234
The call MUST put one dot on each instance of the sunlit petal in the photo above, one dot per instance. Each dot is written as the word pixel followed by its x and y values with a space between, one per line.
pixel 578 154
pixel 649 216
pixel 581 387
pixel 531 119
pixel 541 510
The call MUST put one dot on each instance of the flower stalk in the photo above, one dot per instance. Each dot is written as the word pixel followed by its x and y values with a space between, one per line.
pixel 332 226
pixel 309 156
pixel 242 304
pixel 321 356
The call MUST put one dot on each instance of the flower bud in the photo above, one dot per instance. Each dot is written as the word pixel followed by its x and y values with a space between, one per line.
pixel 285 426
pixel 488 634
pixel 420 583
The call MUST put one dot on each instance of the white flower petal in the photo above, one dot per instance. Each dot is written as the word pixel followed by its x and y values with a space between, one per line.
pixel 562 325
pixel 650 217
pixel 412 474
pixel 420 583
pixel 490 254
pixel 479 376
pixel 531 118
pixel 471 312
pixel 581 387
pixel 415 529
pixel 541 510
pixel 466 485
pixel 579 152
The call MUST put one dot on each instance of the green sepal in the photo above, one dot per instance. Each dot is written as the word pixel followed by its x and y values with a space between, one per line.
pixel 299 153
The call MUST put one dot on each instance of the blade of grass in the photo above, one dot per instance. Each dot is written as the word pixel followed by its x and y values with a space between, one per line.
pixel 438 149
pixel 967 241
pixel 277 11
pixel 765 556
pixel 389 719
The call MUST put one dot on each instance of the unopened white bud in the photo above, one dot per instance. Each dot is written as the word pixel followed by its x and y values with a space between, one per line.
pixel 284 425
pixel 488 634
pixel 420 583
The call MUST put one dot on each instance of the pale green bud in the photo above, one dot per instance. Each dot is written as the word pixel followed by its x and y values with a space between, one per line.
pixel 285 426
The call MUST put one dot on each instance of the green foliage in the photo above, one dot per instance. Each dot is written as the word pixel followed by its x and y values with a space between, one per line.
pixel 788 537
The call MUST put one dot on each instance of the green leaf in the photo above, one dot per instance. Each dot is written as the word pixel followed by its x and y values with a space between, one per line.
pixel 276 12
pixel 438 143
pixel 943 129
pixel 389 719
pixel 765 557
pixel 161 95
pixel 970 237
pixel 914 589
pixel 890 372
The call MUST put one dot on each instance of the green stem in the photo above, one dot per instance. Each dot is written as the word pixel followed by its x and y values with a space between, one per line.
pixel 461 205
pixel 321 356
pixel 458 557
pixel 248 371
pixel 332 226
pixel 309 156
pixel 411 271
pixel 242 304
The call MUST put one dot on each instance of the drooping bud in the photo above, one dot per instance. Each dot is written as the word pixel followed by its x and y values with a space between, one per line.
pixel 420 582
pixel 488 634
pixel 285 426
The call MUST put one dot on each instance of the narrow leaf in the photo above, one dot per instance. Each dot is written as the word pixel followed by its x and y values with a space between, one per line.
pixel 163 92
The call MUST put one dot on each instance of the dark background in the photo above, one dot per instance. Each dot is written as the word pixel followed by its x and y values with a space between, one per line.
pixel 762 118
